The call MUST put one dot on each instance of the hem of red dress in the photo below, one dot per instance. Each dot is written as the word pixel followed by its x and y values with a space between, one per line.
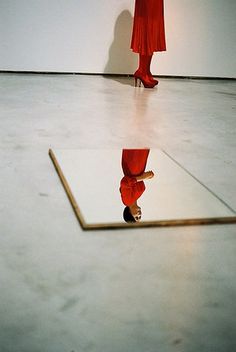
pixel 147 53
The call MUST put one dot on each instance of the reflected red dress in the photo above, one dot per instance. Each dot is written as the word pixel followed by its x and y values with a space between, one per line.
pixel 148 27
pixel 133 164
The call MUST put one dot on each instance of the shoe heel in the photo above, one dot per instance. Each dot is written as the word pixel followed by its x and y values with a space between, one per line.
pixel 137 82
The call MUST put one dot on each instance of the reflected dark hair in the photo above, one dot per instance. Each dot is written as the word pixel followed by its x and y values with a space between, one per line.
pixel 127 216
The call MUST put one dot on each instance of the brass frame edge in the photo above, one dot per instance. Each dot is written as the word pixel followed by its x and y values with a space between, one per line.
pixel 66 186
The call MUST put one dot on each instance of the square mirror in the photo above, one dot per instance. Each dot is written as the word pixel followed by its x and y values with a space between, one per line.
pixel 154 187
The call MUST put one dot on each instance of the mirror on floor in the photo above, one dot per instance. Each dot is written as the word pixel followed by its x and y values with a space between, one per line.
pixel 150 184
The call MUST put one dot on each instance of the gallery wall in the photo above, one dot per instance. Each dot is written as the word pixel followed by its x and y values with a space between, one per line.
pixel 94 37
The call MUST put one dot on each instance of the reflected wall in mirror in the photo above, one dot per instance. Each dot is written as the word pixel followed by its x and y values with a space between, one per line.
pixel 153 188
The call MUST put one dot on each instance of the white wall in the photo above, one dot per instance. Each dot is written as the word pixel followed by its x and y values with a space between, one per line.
pixel 94 36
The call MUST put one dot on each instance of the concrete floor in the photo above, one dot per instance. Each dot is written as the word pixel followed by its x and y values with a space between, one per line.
pixel 144 290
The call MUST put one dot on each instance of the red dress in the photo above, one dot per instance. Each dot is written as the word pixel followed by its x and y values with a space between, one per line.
pixel 148 27
pixel 133 164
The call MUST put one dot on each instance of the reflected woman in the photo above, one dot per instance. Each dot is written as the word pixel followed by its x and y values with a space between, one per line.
pixel 132 186
pixel 148 36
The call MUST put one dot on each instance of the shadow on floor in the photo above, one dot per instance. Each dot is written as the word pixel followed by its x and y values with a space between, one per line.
pixel 127 80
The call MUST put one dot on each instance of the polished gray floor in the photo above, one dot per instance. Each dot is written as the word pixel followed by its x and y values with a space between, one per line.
pixel 145 290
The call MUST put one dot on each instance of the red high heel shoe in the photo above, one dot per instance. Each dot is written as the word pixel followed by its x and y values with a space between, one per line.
pixel 147 83
pixel 155 81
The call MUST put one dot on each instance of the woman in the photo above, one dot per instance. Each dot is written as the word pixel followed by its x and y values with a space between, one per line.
pixel 132 186
pixel 148 36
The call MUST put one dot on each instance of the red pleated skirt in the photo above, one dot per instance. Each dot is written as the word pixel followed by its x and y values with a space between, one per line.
pixel 134 161
pixel 148 27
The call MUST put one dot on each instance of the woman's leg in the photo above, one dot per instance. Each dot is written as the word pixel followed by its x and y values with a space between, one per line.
pixel 148 65
pixel 143 68
pixel 143 72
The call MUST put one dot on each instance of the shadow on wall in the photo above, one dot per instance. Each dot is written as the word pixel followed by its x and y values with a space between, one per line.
pixel 121 59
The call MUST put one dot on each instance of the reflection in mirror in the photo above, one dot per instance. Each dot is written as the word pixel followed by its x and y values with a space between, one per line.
pixel 132 184
pixel 157 190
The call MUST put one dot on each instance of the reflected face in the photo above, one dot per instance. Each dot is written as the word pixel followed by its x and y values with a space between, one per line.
pixel 136 213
